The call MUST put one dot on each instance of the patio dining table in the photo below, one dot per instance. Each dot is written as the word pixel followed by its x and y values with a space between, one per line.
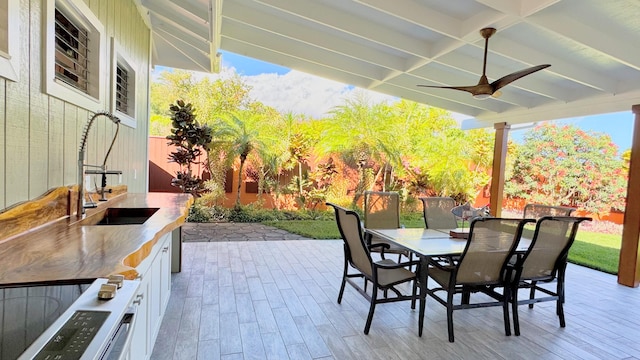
pixel 428 243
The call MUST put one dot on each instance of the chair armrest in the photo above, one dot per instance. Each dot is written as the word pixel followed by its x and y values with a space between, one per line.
pixel 397 265
pixel 448 264
pixel 384 246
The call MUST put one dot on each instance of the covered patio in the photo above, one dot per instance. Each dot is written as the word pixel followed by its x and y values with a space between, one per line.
pixel 277 300
pixel 392 47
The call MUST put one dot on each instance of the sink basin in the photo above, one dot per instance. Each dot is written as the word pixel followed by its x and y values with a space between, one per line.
pixel 126 216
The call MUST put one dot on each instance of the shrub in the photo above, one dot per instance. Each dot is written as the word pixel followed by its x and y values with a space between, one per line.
pixel 200 212
pixel 245 214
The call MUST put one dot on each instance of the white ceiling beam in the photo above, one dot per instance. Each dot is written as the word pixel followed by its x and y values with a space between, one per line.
pixel 185 48
pixel 177 16
pixel 215 33
pixel 485 18
pixel 525 54
pixel 519 8
pixel 292 62
pixel 528 7
pixel 584 107
pixel 194 56
pixel 161 24
pixel 417 14
pixel 196 8
pixel 617 46
pixel 354 26
pixel 304 52
pixel 313 38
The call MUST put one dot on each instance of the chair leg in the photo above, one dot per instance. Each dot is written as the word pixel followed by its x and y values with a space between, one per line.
pixel 466 295
pixel 415 291
pixel 372 308
pixel 423 303
pixel 344 281
pixel 560 300
pixel 505 311
pixel 532 294
pixel 450 314
pixel 514 302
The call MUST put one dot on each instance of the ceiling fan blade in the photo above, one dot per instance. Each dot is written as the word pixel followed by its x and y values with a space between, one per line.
pixel 507 79
pixel 470 89
pixel 483 89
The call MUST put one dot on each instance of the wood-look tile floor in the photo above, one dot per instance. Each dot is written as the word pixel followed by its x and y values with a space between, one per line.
pixel 277 300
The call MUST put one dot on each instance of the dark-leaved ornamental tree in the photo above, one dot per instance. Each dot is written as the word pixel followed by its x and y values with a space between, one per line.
pixel 190 139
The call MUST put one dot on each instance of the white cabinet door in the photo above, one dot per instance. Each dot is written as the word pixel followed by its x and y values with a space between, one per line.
pixel 165 275
pixel 160 270
pixel 154 300
pixel 140 346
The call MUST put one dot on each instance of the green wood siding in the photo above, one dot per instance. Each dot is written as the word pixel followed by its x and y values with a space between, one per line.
pixel 40 134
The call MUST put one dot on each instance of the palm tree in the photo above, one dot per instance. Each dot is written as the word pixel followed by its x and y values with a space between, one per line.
pixel 299 147
pixel 360 132
pixel 241 138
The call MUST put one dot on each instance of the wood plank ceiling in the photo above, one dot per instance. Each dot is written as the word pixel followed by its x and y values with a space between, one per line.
pixel 391 46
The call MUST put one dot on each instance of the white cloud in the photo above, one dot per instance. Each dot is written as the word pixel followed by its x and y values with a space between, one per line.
pixel 301 93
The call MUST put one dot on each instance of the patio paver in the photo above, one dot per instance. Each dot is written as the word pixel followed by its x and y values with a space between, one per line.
pixel 224 231
pixel 277 300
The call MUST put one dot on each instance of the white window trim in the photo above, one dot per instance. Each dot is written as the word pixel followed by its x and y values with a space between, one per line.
pixel 57 88
pixel 118 55
pixel 10 63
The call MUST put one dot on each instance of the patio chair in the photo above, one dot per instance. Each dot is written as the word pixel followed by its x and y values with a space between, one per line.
pixel 544 261
pixel 384 274
pixel 536 211
pixel 437 212
pixel 480 268
pixel 382 211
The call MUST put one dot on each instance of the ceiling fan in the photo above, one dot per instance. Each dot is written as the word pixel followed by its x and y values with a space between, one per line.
pixel 484 89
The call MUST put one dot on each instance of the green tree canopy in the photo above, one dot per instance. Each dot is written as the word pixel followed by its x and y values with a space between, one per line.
pixel 402 146
pixel 214 98
pixel 564 165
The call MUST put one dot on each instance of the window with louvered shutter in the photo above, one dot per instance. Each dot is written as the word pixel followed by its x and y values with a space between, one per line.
pixel 72 51
pixel 122 89
pixel 123 85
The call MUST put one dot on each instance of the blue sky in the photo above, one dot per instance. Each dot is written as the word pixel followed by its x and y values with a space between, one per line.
pixel 619 126
pixel 248 66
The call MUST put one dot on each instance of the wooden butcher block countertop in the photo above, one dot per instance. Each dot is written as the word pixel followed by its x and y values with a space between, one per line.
pixel 73 251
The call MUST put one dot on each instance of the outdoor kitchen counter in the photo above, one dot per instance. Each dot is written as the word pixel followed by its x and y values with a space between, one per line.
pixel 72 251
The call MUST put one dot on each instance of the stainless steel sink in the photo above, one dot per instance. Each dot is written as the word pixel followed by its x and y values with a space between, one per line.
pixel 126 216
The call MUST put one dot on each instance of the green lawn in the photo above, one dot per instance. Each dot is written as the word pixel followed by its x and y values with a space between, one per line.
pixel 593 250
